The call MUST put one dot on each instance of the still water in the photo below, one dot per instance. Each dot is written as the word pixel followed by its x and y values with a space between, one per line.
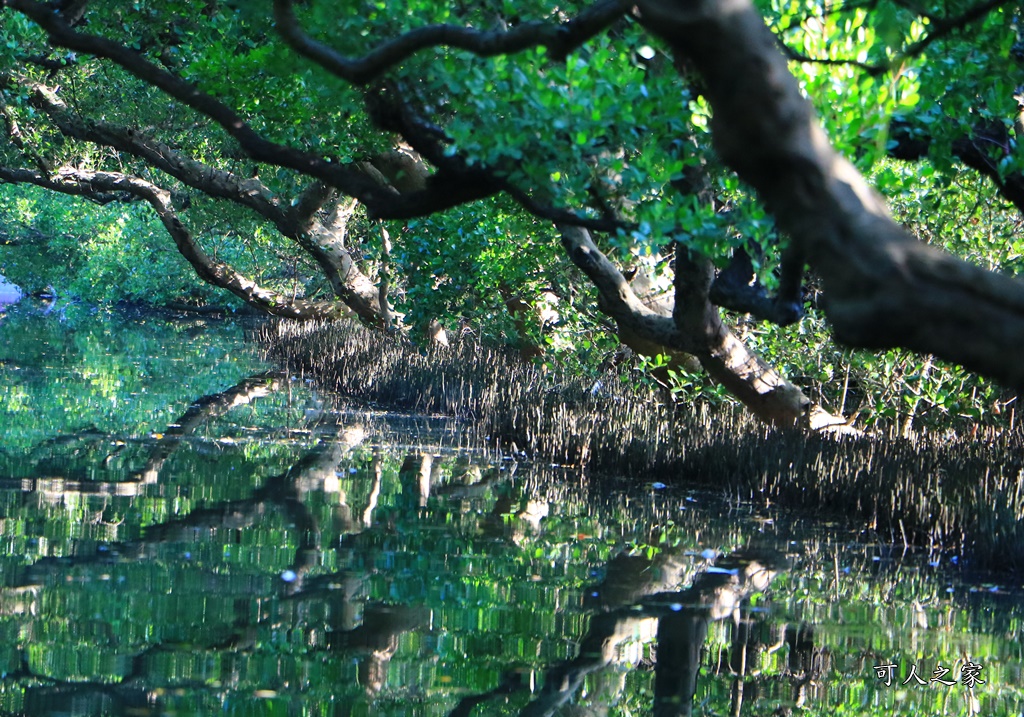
pixel 186 530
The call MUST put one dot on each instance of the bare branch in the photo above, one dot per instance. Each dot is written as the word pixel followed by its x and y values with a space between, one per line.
pixel 67 180
pixel 558 39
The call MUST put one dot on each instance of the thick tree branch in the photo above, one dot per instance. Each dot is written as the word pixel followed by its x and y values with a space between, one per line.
pixel 723 355
pixel 298 223
pixel 617 297
pixel 693 326
pixel 882 288
pixel 559 39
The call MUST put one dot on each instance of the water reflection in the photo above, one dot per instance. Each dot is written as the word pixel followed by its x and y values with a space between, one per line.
pixel 240 545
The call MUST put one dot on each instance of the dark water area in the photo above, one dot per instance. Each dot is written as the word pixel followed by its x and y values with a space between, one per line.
pixel 187 530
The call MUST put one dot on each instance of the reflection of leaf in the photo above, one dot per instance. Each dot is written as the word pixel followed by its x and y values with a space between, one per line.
pixel 122 376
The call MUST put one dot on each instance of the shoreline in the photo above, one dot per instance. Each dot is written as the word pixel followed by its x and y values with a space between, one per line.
pixel 960 494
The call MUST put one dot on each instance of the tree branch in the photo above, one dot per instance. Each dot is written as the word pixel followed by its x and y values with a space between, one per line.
pixel 617 297
pixel 736 288
pixel 67 180
pixel 298 223
pixel 694 326
pixel 389 110
pixel 560 40
pixel 943 28
pixel 382 202
pixel 208 179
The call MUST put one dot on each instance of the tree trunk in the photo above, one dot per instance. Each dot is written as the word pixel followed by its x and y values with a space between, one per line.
pixel 882 288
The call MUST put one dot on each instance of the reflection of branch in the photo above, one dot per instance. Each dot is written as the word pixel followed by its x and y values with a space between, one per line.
pixel 377 467
pixel 202 411
pixel 510 682
pixel 627 579
pixel 597 649
pixel 416 477
pixel 377 639
pixel 284 491
pixel 715 595
pixel 682 617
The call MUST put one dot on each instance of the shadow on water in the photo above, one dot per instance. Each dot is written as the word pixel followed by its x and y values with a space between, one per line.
pixel 238 543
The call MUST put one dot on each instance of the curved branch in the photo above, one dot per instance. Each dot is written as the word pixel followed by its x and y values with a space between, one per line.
pixel 298 223
pixel 17 137
pixel 617 297
pixel 382 202
pixel 84 183
pixel 255 145
pixel 209 180
pixel 693 326
pixel 558 39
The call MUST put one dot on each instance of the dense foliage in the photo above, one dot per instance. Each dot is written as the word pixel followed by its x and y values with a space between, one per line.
pixel 468 161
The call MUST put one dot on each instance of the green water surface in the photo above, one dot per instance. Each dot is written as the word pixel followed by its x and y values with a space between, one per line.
pixel 187 530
